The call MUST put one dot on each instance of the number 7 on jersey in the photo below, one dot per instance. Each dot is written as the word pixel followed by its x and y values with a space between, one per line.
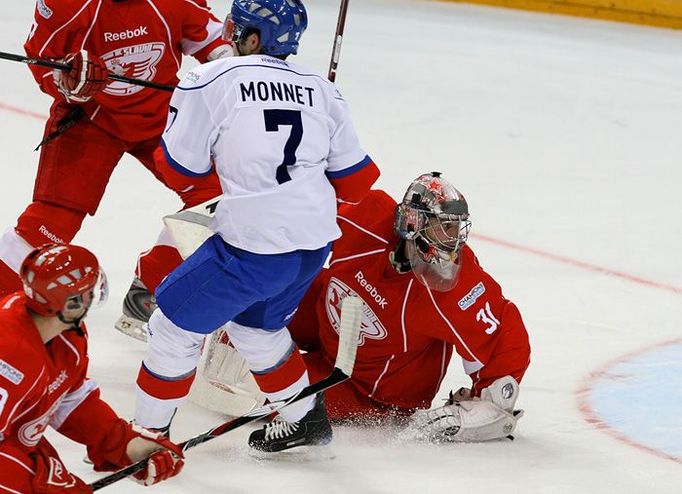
pixel 275 118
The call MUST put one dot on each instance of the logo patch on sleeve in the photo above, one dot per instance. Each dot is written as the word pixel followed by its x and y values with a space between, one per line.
pixel 44 10
pixel 470 298
pixel 10 373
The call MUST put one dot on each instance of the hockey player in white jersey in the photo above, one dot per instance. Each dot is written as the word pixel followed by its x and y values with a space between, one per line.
pixel 280 138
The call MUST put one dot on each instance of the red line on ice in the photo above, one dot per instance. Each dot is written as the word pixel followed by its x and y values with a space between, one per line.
pixel 584 392
pixel 577 263
pixel 485 238
pixel 21 111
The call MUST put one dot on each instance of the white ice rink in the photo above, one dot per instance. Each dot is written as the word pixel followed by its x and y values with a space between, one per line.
pixel 565 135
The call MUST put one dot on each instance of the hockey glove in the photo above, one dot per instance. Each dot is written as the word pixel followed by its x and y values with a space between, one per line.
pixel 129 443
pixel 51 476
pixel 165 457
pixel 87 77
pixel 467 419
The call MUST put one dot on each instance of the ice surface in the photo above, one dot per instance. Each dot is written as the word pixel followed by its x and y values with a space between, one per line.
pixel 565 136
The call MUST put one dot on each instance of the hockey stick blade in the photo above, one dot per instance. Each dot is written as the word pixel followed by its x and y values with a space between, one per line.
pixel 349 330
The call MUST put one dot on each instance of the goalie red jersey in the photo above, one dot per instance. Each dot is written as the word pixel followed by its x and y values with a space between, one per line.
pixel 138 39
pixel 408 331
pixel 43 385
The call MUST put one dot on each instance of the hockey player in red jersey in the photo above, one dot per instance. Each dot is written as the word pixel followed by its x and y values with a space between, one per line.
pixel 425 294
pixel 105 119
pixel 43 381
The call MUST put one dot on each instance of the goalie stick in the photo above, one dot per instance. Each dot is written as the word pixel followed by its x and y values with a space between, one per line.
pixel 349 330
pixel 66 67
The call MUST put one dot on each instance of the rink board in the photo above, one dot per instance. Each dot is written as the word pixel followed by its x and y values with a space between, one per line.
pixel 661 13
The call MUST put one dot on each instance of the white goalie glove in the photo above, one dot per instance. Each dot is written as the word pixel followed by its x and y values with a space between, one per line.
pixel 466 419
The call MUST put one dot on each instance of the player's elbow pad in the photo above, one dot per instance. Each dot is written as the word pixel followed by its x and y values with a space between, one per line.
pixel 354 187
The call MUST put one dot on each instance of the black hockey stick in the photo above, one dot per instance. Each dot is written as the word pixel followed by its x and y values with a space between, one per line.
pixel 338 40
pixel 351 315
pixel 66 67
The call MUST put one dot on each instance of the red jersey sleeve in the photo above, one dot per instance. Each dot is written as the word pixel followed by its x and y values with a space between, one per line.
pixel 58 29
pixel 22 384
pixel 509 355
pixel 485 328
pixel 201 30
pixel 84 417
pixel 352 185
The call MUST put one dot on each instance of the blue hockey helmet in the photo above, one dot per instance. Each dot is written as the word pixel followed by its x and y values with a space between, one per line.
pixel 279 22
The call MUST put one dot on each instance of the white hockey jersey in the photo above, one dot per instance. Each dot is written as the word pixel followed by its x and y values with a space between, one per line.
pixel 276 133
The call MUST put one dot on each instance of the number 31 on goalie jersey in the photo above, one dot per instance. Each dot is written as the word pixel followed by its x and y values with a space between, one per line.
pixel 486 316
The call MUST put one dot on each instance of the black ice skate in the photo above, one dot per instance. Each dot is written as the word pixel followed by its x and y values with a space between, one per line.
pixel 312 430
pixel 138 306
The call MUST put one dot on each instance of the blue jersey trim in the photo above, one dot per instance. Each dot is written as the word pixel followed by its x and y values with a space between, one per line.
pixel 177 166
pixel 350 170
pixel 249 65
pixel 165 378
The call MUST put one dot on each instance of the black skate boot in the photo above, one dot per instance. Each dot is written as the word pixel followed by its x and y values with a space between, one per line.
pixel 138 306
pixel 313 429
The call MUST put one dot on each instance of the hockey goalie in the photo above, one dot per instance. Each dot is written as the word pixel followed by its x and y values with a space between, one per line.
pixel 425 295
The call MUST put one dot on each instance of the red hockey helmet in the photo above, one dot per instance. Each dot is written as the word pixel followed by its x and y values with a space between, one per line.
pixel 61 280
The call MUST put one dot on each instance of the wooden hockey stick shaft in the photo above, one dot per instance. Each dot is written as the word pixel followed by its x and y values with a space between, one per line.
pixel 351 317
pixel 66 67
pixel 338 40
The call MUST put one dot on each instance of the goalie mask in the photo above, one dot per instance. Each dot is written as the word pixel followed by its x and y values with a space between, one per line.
pixel 433 219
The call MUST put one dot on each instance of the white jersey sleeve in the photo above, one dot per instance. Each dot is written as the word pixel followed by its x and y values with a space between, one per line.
pixel 190 131
pixel 345 152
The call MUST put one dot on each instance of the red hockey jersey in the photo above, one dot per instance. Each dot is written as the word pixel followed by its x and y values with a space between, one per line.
pixel 408 331
pixel 143 39
pixel 46 384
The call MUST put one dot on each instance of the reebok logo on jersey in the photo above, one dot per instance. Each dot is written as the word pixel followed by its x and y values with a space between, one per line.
pixel 54 238
pixel 59 380
pixel 470 298
pixel 10 373
pixel 127 34
pixel 360 278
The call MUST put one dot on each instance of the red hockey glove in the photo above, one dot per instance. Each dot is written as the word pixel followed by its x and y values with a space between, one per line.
pixel 51 476
pixel 87 77
pixel 165 457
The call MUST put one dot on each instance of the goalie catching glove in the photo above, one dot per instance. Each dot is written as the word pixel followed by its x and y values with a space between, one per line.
pixel 87 77
pixel 467 419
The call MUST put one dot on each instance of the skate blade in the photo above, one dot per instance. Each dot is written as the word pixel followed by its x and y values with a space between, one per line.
pixel 300 454
pixel 131 327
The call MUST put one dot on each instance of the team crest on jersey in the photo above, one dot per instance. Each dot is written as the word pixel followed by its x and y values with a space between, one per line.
pixel 370 327
pixel 137 62
pixel 44 10
pixel 470 298
pixel 30 433
pixel 10 373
